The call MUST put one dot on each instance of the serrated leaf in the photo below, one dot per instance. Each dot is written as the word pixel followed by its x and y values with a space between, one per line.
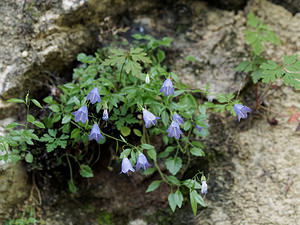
pixel 34 101
pixel 242 66
pixel 187 125
pixel 153 186
pixel 190 58
pixel 197 152
pixel 13 125
pixel 86 171
pixel 287 60
pixel 75 133
pixel 174 165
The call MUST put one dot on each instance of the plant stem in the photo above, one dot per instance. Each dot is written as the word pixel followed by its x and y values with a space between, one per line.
pixel 161 173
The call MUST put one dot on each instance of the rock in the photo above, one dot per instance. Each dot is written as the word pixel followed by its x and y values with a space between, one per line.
pixel 14 188
pixel 292 5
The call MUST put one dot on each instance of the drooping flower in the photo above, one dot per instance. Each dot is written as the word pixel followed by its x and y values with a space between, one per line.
pixel 149 118
pixel 95 133
pixel 174 130
pixel 241 111
pixel 94 96
pixel 147 79
pixel 178 119
pixel 167 87
pixel 142 162
pixel 199 128
pixel 81 114
pixel 126 166
pixel 105 115
pixel 203 187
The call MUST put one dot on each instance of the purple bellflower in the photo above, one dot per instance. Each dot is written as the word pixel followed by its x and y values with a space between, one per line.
pixel 149 118
pixel 81 114
pixel 241 111
pixel 199 128
pixel 174 130
pixel 142 162
pixel 105 115
pixel 203 187
pixel 95 133
pixel 167 87
pixel 94 96
pixel 178 119
pixel 126 165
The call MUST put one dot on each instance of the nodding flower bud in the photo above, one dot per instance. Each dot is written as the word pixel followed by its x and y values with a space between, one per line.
pixel 105 115
pixel 147 80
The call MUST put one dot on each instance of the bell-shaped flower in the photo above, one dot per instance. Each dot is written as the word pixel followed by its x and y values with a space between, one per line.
pixel 178 119
pixel 81 114
pixel 174 130
pixel 126 166
pixel 142 162
pixel 149 118
pixel 94 96
pixel 95 133
pixel 241 111
pixel 199 128
pixel 167 87
pixel 203 187
pixel 105 115
pixel 147 79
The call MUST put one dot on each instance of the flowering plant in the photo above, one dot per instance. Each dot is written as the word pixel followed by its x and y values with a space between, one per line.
pixel 124 94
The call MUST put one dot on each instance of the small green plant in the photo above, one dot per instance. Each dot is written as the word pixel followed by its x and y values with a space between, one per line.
pixel 134 99
pixel 27 219
pixel 261 68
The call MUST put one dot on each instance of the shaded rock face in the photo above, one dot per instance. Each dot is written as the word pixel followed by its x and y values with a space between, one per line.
pixel 14 188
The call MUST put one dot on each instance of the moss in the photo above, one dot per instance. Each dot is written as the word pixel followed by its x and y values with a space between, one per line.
pixel 105 218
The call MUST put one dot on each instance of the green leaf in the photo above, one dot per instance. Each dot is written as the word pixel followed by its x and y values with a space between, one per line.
pixel 125 153
pixel 258 48
pixel 292 79
pixel 66 119
pixel 54 108
pixel 29 157
pixel 190 58
pixel 137 132
pixel 86 171
pixel 30 118
pixel 172 201
pixel 160 55
pixel 48 99
pixel 173 180
pixel 192 184
pixel 125 131
pixel 165 118
pixel 174 165
pixel 187 125
pixel 193 201
pixel 153 186
pixel 34 101
pixel 242 66
pixel 147 146
pixel 13 125
pixel 72 186
pixel 197 152
pixel 149 171
pixel 178 198
pixel 198 198
pixel 16 100
pixel 38 124
pixel 75 133
pixel 252 20
pixel 152 154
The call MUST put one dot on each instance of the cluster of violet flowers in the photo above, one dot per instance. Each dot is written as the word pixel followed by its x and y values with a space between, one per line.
pixel 150 119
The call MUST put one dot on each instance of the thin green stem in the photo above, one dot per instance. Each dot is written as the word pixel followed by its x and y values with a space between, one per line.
pixel 161 173
pixel 70 167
